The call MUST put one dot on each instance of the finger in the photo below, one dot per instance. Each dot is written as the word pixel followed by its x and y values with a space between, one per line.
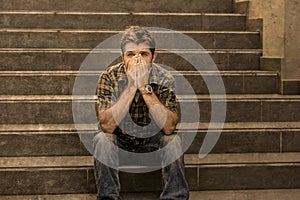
pixel 143 63
pixel 138 60
pixel 145 67
pixel 131 64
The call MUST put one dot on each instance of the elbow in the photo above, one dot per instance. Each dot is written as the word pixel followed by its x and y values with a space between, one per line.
pixel 107 129
pixel 169 130
pixel 106 125
pixel 170 127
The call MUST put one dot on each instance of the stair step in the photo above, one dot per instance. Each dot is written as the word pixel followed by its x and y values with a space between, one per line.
pixel 281 194
pixel 119 21
pixel 71 128
pixel 71 59
pixel 189 159
pixel 58 110
pixel 62 82
pixel 20 38
pixel 52 175
pixel 50 140
pixel 214 6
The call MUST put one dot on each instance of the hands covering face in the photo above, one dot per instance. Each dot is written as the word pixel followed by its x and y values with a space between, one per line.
pixel 137 71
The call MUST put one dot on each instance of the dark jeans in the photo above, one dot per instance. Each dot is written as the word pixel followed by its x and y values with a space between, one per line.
pixel 175 186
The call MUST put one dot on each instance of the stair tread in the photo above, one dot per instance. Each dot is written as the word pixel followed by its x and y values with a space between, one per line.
pixel 228 97
pixel 275 194
pixel 92 5
pixel 70 128
pixel 51 30
pixel 17 12
pixel 82 50
pixel 67 72
pixel 62 19
pixel 222 160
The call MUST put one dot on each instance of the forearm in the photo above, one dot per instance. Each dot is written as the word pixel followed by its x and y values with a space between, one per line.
pixel 164 118
pixel 111 117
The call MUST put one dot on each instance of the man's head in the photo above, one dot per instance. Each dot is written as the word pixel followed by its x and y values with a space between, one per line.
pixel 137 43
pixel 137 35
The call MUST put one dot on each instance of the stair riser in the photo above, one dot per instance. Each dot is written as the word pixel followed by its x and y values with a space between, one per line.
pixel 237 111
pixel 277 194
pixel 58 181
pixel 63 84
pixel 291 141
pixel 66 60
pixel 223 6
pixel 91 40
pixel 120 22
pixel 238 141
pixel 250 177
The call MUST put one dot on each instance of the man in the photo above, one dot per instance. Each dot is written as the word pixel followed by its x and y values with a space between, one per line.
pixel 137 111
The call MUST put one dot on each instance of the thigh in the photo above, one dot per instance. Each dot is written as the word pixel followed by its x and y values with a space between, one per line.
pixel 159 141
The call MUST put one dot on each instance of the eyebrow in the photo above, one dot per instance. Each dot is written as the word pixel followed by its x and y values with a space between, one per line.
pixel 142 51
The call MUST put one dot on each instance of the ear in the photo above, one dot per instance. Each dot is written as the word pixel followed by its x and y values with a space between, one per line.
pixel 154 56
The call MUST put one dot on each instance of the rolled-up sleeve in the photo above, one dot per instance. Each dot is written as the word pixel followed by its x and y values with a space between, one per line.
pixel 167 95
pixel 105 92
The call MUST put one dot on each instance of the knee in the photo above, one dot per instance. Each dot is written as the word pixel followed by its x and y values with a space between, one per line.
pixel 170 139
pixel 172 144
pixel 102 141
pixel 172 148
pixel 105 151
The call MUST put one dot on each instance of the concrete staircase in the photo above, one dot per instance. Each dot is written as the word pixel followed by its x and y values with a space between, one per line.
pixel 44 42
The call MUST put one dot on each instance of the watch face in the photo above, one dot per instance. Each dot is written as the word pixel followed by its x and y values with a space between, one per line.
pixel 148 89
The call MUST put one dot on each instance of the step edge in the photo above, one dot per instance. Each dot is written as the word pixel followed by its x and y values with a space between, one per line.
pixel 191 160
pixel 84 50
pixel 280 194
pixel 66 30
pixel 227 97
pixel 202 127
pixel 35 12
pixel 173 72
pixel 260 194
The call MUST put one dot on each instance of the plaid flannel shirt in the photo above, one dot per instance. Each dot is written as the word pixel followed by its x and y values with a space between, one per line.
pixel 112 83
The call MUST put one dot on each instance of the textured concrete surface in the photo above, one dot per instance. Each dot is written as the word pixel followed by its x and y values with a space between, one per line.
pixel 280 38
pixel 50 140
pixel 220 172
pixel 119 21
pixel 238 110
pixel 90 39
pixel 247 156
pixel 272 12
pixel 291 66
pixel 62 83
pixel 292 194
pixel 231 141
pixel 60 59
pixel 207 6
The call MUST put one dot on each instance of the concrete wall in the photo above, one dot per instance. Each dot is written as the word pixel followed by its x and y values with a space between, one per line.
pixel 272 12
pixel 291 64
pixel 281 39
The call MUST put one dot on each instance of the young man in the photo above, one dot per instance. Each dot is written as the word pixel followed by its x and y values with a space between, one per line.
pixel 137 111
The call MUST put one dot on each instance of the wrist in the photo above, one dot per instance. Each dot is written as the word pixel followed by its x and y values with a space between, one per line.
pixel 145 89
pixel 131 88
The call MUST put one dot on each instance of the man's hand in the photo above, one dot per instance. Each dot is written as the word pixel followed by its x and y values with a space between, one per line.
pixel 137 72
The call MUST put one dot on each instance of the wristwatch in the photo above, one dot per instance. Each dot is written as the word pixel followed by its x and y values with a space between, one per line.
pixel 147 90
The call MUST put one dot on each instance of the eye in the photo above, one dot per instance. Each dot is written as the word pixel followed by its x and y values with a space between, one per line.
pixel 145 54
pixel 130 54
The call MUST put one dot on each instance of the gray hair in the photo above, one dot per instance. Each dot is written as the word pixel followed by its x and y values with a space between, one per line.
pixel 137 35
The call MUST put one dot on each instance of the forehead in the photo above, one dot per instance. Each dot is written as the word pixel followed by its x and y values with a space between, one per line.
pixel 137 47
